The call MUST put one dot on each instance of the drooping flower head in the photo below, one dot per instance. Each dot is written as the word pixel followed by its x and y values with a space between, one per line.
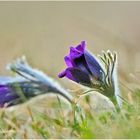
pixel 84 68
pixel 27 83
pixel 15 90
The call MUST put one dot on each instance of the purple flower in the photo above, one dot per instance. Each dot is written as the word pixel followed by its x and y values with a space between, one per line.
pixel 27 83
pixel 16 90
pixel 7 96
pixel 82 67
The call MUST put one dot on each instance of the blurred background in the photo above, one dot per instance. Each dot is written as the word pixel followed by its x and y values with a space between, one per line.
pixel 43 31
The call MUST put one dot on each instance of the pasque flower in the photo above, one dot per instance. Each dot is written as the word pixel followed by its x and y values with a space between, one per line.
pixel 82 68
pixel 6 96
pixel 15 90
pixel 100 75
pixel 27 83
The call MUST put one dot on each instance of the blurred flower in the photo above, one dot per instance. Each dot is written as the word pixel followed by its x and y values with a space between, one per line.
pixel 27 83
pixel 6 95
pixel 15 90
pixel 84 68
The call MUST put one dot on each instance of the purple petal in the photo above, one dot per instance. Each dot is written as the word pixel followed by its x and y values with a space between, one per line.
pixel 81 47
pixel 68 61
pixel 81 64
pixel 6 95
pixel 93 65
pixel 74 53
pixel 76 75
pixel 61 74
pixel 67 74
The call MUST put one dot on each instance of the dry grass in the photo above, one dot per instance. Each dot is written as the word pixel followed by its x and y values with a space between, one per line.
pixel 49 116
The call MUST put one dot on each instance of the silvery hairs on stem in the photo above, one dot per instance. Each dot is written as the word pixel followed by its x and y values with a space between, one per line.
pixel 43 82
pixel 108 84
pixel 111 87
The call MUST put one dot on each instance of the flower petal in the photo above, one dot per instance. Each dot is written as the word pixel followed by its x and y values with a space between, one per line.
pixel 68 61
pixel 6 95
pixel 67 74
pixel 77 75
pixel 81 64
pixel 74 53
pixel 93 65
pixel 81 47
